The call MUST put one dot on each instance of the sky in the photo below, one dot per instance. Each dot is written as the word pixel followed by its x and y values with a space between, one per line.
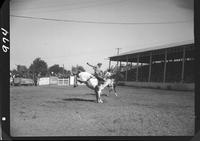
pixel 91 30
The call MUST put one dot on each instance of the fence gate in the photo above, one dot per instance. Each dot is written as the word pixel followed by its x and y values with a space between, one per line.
pixel 63 82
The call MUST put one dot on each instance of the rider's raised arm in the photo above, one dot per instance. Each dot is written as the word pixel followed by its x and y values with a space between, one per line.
pixel 90 65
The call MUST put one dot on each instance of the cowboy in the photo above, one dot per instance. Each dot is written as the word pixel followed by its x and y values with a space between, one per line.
pixel 98 73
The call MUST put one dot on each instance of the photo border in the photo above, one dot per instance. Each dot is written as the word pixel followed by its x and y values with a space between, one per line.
pixel 5 89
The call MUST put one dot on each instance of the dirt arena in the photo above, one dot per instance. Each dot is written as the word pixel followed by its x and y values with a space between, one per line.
pixel 68 111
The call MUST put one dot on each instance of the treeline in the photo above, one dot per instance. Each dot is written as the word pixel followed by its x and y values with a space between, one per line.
pixel 39 68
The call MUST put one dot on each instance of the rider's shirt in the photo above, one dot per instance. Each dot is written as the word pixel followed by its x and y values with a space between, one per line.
pixel 97 71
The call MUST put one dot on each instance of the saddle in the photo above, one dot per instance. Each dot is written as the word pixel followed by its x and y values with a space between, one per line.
pixel 100 80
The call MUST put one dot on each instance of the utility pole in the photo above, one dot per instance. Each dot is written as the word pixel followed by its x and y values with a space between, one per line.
pixel 63 70
pixel 118 50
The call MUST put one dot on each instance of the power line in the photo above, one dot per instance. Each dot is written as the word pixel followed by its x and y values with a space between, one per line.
pixel 77 7
pixel 97 22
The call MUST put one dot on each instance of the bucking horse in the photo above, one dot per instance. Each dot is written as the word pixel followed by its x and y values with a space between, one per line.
pixel 93 83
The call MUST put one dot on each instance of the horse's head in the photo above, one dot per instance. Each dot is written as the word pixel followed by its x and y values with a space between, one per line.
pixel 117 75
pixel 108 74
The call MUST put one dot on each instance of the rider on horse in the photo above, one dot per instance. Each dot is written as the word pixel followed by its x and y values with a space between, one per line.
pixel 98 73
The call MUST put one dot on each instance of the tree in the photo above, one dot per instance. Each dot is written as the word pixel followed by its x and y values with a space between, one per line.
pixel 77 68
pixel 14 72
pixel 80 68
pixel 21 71
pixel 67 73
pixel 56 70
pixel 39 67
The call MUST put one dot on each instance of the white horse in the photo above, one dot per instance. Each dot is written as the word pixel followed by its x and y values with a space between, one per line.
pixel 92 82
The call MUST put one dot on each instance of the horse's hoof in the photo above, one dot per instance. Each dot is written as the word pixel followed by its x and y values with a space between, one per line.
pixel 115 94
pixel 100 101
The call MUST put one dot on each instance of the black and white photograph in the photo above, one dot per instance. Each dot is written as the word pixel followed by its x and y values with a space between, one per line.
pixel 101 68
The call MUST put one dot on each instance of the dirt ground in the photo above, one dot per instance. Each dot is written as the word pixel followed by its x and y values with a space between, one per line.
pixel 68 111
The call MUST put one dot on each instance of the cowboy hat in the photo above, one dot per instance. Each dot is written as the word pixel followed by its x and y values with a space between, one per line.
pixel 99 64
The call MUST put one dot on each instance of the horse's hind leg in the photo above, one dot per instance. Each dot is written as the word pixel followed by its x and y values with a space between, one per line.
pixel 98 94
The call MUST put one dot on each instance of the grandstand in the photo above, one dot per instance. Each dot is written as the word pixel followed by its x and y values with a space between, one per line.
pixel 165 66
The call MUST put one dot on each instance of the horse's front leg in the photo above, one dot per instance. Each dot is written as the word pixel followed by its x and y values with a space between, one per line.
pixel 115 92
pixel 114 89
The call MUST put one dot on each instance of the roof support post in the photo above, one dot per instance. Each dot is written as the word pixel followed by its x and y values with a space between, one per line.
pixel 120 65
pixel 131 65
pixel 109 63
pixel 165 65
pixel 117 64
pixel 141 72
pixel 183 66
pixel 137 68
pixel 126 68
pixel 150 62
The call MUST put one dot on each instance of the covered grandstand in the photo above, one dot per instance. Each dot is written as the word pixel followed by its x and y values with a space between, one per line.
pixel 167 66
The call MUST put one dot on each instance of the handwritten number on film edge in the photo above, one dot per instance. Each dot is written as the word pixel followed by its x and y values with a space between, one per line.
pixel 5 40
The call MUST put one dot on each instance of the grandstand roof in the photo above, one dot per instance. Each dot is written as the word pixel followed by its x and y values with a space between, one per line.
pixel 174 51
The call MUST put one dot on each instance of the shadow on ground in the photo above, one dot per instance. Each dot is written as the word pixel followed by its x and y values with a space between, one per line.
pixel 90 94
pixel 78 99
pixel 95 94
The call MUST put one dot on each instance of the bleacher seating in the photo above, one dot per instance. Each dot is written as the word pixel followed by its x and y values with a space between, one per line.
pixel 173 72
